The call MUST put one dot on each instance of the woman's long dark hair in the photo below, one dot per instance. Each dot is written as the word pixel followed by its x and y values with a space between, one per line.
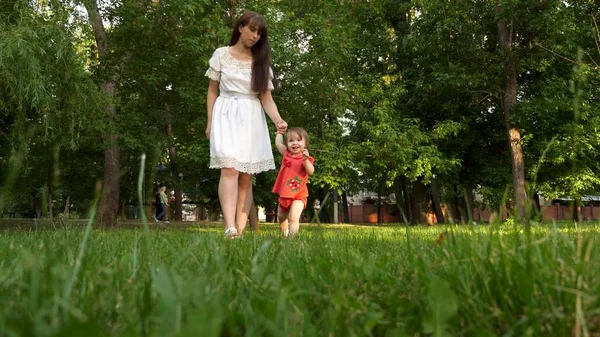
pixel 261 52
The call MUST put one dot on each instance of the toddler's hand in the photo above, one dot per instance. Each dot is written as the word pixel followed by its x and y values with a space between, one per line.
pixel 304 154
pixel 281 126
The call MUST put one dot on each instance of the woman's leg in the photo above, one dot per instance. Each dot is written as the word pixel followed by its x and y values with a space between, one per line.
pixel 244 201
pixel 228 195
pixel 294 216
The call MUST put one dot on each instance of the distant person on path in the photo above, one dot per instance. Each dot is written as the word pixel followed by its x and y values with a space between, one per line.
pixel 317 207
pixel 164 201
pixel 161 200
pixel 290 185
pixel 158 210
pixel 240 145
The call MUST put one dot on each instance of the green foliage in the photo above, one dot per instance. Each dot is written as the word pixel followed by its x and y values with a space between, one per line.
pixel 387 90
pixel 456 71
pixel 47 100
pixel 43 80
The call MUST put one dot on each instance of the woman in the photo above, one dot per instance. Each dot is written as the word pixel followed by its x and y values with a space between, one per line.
pixel 240 145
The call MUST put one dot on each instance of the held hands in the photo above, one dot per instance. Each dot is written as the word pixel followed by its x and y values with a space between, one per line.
pixel 281 126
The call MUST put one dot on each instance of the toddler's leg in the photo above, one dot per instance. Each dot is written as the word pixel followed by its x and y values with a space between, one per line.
pixel 294 217
pixel 282 217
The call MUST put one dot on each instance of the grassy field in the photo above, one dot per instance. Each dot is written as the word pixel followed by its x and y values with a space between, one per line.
pixel 498 280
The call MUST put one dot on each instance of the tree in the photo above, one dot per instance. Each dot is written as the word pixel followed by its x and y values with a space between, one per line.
pixel 47 98
pixel 109 201
pixel 506 36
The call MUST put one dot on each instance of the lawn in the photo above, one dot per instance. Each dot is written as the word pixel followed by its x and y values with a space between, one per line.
pixel 500 280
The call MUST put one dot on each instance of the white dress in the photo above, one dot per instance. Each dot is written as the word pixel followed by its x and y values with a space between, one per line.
pixel 239 137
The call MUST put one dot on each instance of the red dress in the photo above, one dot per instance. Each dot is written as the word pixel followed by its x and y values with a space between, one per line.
pixel 291 181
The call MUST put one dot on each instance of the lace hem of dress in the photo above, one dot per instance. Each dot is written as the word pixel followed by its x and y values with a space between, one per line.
pixel 213 74
pixel 252 168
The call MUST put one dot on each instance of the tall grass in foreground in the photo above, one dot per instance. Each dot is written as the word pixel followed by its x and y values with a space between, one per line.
pixel 361 281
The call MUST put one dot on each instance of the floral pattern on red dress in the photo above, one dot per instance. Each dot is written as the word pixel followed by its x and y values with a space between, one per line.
pixel 294 183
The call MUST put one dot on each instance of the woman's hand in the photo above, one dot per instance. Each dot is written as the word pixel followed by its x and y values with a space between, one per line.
pixel 207 132
pixel 281 126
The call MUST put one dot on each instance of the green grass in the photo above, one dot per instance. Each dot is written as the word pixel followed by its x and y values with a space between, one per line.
pixel 328 281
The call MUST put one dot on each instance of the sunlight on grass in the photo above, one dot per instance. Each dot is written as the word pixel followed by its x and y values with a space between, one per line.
pixel 329 280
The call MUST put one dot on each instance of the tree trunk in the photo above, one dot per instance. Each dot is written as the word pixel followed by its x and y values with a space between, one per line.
pixel 419 197
pixel 270 212
pixel 400 200
pixel 379 208
pixel 407 201
pixel 335 207
pixel 174 170
pixel 37 205
pixel 253 217
pixel 469 203
pixel 575 210
pixel 69 186
pixel 379 203
pixel 505 36
pixel 231 7
pixel 212 214
pixel 454 210
pixel 455 206
pixel 536 205
pixel 67 201
pixel 109 200
pixel 49 190
pixel 435 203
pixel 345 207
